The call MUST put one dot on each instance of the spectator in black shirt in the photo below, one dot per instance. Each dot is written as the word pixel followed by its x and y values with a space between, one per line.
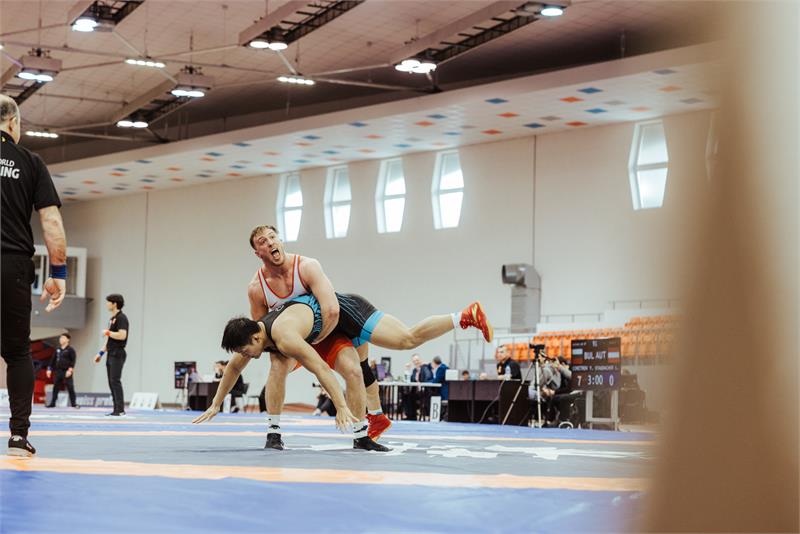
pixel 63 363
pixel 506 367
pixel 26 185
pixel 237 391
pixel 117 334
pixel 219 370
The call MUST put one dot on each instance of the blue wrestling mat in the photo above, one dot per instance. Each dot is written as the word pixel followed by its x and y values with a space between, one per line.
pixel 156 472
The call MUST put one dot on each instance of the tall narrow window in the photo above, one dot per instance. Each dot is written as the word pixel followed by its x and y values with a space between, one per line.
pixel 447 192
pixel 390 197
pixel 648 165
pixel 290 206
pixel 337 202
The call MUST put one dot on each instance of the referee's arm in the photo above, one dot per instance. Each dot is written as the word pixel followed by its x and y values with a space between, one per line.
pixel 56 242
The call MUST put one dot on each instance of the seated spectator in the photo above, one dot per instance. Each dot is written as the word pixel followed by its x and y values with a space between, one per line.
pixel 439 372
pixel 422 372
pixel 506 367
pixel 324 404
pixel 465 375
pixel 559 406
pixel 483 376
pixel 407 372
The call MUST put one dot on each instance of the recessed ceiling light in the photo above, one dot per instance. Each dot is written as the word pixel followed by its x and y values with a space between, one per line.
pixel 145 63
pixel 298 80
pixel 49 135
pixel 551 11
pixel 190 92
pixel 30 74
pixel 84 24
pixel 416 66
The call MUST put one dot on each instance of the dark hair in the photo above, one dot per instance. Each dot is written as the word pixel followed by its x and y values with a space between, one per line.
pixel 220 362
pixel 257 230
pixel 237 333
pixel 117 299
pixel 437 360
pixel 66 335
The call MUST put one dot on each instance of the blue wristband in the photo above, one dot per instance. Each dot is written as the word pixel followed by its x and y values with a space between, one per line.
pixel 101 352
pixel 58 272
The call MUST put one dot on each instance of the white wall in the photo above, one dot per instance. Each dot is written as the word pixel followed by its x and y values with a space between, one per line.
pixel 591 247
pixel 189 249
pixel 181 257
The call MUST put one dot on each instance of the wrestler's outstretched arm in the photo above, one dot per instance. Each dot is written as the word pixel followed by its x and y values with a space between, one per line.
pixel 232 371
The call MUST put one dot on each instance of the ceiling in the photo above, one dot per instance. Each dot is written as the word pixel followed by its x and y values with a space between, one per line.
pixel 639 88
pixel 95 83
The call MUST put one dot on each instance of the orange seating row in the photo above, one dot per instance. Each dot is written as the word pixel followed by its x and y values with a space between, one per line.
pixel 643 337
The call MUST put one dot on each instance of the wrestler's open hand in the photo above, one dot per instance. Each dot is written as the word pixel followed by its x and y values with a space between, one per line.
pixel 345 419
pixel 207 415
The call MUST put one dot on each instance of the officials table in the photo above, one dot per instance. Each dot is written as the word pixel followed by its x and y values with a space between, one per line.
pixel 488 401
pixel 201 394
pixel 409 399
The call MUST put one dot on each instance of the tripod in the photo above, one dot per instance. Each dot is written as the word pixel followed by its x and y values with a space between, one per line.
pixel 538 351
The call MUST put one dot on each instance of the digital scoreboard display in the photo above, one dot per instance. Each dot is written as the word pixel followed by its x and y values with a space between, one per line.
pixel 595 363
pixel 182 370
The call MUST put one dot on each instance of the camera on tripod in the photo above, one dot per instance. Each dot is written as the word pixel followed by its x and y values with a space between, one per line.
pixel 538 350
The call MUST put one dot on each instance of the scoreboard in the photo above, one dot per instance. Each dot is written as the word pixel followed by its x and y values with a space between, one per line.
pixel 595 363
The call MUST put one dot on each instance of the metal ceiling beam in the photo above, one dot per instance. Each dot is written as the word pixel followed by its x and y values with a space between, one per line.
pixel 484 36
pixel 143 100
pixel 99 136
pixel 268 21
pixel 139 54
pixel 78 9
pixel 371 85
pixel 197 52
pixel 29 30
pixel 78 98
pixel 464 23
pixel 103 10
pixel 162 108
pixel 319 19
pixel 10 72
pixel 66 48
pixel 122 57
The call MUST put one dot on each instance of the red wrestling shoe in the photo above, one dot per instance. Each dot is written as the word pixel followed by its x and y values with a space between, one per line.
pixel 378 424
pixel 473 315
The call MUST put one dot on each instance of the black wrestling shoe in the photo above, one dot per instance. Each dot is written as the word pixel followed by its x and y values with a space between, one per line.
pixel 115 414
pixel 19 446
pixel 274 441
pixel 367 444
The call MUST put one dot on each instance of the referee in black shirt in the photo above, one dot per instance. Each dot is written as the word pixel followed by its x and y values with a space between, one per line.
pixel 117 334
pixel 26 185
pixel 63 363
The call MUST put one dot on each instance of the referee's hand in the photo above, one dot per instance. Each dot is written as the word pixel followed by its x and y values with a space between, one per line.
pixel 57 289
